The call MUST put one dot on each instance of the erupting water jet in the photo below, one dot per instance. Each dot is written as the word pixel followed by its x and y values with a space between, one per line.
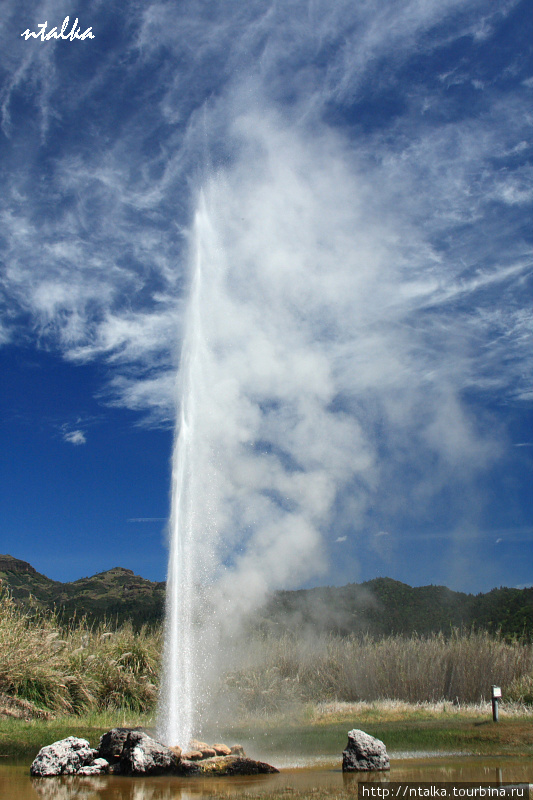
pixel 182 655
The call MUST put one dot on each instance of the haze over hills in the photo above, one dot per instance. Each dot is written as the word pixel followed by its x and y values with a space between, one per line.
pixel 381 606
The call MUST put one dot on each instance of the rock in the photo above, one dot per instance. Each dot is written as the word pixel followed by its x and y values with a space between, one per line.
pixel 196 744
pixel 99 767
pixel 364 753
pixel 233 765
pixel 192 755
pixel 188 768
pixel 112 744
pixel 223 750
pixel 142 755
pixel 126 751
pixel 65 757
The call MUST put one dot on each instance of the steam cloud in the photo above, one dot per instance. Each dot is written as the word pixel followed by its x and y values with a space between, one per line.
pixel 315 305
pixel 366 265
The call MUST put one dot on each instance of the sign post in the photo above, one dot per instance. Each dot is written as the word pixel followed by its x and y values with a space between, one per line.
pixel 496 694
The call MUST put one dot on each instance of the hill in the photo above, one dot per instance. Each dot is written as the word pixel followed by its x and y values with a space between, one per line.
pixel 383 606
pixel 116 594
pixel 378 607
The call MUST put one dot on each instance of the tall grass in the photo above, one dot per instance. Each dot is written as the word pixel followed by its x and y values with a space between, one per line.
pixel 460 668
pixel 77 668
pixel 84 669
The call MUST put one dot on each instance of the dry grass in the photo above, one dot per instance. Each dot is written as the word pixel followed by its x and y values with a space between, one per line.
pixel 76 669
pixel 459 670
pixel 81 669
pixel 395 710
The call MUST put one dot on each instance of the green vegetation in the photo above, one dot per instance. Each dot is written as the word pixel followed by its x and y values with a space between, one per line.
pixel 385 607
pixel 76 668
pixel 322 729
pixel 380 607
pixel 314 730
pixel 23 738
pixel 114 597
pixel 302 692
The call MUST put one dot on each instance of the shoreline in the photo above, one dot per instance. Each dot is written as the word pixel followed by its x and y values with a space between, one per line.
pixel 311 731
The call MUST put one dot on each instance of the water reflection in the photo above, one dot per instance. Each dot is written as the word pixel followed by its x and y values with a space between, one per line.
pixel 322 772
pixel 121 788
pixel 68 788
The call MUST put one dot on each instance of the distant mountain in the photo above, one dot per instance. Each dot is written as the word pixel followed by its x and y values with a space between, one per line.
pixel 383 606
pixel 378 607
pixel 117 594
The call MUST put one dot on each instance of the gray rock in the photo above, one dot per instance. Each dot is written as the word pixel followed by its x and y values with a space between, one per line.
pixel 142 755
pixel 364 753
pixel 65 757
pixel 99 767
pixel 112 744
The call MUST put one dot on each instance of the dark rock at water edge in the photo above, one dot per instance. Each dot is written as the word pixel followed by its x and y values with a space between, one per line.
pixel 112 744
pixel 232 765
pixel 142 755
pixel 364 753
pixel 123 751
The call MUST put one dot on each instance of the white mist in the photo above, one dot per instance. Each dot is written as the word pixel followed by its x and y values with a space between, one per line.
pixel 301 366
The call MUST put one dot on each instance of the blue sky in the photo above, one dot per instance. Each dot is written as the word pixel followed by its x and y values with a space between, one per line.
pixel 356 181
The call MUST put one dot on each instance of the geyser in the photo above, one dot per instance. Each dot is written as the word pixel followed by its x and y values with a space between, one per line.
pixel 309 400
pixel 264 441
pixel 182 656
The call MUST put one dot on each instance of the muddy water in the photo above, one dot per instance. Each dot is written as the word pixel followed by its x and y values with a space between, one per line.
pixel 301 775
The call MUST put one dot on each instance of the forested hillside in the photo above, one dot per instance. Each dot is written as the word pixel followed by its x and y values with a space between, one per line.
pixel 116 595
pixel 384 606
pixel 378 607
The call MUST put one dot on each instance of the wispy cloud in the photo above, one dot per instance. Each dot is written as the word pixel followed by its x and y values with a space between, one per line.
pixel 364 214
pixel 75 437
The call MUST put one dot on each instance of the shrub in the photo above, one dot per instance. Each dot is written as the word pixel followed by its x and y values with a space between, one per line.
pixel 78 668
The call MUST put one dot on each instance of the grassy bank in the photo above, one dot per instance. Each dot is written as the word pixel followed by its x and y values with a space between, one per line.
pixel 421 727
pixel 22 739
pixel 284 694
pixel 315 730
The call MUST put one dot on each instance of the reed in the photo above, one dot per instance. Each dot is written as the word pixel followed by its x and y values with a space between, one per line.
pixel 82 669
pixel 460 668
pixel 76 668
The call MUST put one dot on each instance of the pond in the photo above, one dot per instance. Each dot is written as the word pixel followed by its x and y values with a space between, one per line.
pixel 297 774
